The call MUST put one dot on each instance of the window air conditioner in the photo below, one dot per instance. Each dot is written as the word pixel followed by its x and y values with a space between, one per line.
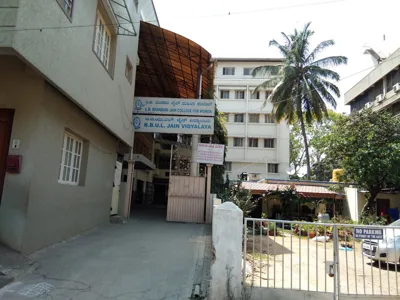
pixel 379 98
pixel 396 87
pixel 368 105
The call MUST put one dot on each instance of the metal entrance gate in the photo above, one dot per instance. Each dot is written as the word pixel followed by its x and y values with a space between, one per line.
pixel 341 259
pixel 186 199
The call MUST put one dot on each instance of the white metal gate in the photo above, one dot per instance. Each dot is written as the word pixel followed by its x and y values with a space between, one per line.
pixel 342 259
pixel 186 199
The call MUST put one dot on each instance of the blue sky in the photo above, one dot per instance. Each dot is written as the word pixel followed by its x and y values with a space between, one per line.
pixel 237 28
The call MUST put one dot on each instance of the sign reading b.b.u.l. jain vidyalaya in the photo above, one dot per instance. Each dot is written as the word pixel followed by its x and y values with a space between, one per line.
pixel 174 115
pixel 173 124
pixel 174 106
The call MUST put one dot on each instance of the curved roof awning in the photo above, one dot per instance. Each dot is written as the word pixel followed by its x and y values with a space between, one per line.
pixel 170 65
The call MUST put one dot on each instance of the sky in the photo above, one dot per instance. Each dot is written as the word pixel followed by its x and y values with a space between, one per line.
pixel 237 28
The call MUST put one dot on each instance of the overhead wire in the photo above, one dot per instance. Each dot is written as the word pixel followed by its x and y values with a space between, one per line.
pixel 193 17
pixel 273 8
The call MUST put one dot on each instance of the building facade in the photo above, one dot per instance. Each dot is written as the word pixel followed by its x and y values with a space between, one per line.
pixel 257 145
pixel 66 96
pixel 380 89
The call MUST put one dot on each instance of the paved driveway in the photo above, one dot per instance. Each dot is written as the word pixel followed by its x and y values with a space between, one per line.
pixel 146 258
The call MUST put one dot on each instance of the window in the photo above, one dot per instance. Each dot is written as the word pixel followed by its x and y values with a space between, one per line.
pixel 255 95
pixel 267 94
pixel 102 42
pixel 71 158
pixel 237 142
pixel 224 94
pixel 269 119
pixel 272 168
pixel 254 118
pixel 253 142
pixel 228 71
pixel 269 143
pixel 128 70
pixel 239 118
pixel 247 71
pixel 67 6
pixel 226 117
pixel 228 166
pixel 239 94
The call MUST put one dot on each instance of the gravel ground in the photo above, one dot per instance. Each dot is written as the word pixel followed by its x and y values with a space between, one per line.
pixel 287 263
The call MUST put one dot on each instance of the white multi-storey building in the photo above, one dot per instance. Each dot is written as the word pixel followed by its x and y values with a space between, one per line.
pixel 256 143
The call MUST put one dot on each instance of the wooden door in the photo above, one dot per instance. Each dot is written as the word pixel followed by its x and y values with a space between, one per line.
pixel 6 118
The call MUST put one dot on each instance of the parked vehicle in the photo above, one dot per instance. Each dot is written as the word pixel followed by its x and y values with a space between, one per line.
pixel 387 249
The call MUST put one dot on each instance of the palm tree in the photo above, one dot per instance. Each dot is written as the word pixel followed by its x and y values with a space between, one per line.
pixel 303 83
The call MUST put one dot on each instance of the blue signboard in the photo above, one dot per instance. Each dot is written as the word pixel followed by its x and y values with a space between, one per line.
pixel 368 233
pixel 174 106
pixel 173 124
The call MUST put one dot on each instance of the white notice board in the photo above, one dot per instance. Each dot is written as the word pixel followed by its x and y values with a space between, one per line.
pixel 210 154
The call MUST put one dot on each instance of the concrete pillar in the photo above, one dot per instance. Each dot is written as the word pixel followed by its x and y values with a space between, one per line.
pixel 208 195
pixel 194 165
pixel 227 235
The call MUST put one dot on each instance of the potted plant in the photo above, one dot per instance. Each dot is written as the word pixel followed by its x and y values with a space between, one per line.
pixel 312 234
pixel 271 228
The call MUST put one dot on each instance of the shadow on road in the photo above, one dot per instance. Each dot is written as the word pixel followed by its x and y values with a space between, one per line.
pixel 384 266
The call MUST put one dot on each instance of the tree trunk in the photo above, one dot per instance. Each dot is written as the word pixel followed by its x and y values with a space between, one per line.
pixel 304 134
pixel 369 208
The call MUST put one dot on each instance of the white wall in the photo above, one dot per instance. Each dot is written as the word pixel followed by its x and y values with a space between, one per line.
pixel 227 234
pixel 351 205
pixel 65 57
pixel 258 169
pixel 250 159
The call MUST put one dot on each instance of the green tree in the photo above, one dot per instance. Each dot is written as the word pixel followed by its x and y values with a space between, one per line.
pixel 220 137
pixel 303 83
pixel 368 145
pixel 318 141
pixel 241 197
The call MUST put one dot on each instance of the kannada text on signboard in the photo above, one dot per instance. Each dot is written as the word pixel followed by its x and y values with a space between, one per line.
pixel 172 106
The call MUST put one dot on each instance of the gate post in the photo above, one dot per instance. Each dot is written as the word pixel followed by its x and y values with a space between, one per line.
pixel 336 279
pixel 227 237
pixel 209 207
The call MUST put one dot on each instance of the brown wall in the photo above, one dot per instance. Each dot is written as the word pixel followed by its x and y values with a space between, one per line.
pixel 37 210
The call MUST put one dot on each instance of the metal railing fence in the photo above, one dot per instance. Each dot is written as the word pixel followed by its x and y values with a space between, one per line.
pixel 322 257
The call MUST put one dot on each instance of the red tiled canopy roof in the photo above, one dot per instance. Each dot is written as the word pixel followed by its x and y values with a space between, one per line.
pixel 306 190
pixel 170 64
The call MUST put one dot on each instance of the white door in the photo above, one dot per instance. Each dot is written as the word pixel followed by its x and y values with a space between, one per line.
pixel 117 183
